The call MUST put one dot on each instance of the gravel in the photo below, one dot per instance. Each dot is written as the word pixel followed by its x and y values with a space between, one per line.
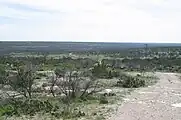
pixel 159 102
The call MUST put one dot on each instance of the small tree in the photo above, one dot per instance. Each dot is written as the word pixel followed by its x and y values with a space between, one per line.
pixel 100 70
pixel 23 81
pixel 74 85
pixel 3 75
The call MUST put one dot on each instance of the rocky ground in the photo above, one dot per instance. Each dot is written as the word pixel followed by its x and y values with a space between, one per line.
pixel 159 102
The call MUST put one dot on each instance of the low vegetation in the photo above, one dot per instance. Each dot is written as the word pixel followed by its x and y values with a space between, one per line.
pixel 128 81
pixel 62 94
pixel 72 87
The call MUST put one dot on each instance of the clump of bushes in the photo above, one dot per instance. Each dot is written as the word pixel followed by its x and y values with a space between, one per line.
pixel 103 100
pixel 26 107
pixel 100 70
pixel 128 81
pixel 6 110
pixel 33 106
pixel 70 112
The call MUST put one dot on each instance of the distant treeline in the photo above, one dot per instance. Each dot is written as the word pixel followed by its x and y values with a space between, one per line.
pixel 135 64
pixel 60 47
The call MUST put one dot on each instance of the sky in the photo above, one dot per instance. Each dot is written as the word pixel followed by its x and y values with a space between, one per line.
pixel 91 20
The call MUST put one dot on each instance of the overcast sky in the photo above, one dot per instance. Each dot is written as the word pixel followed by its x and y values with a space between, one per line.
pixel 91 20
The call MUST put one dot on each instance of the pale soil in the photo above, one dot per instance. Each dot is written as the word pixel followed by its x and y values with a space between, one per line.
pixel 159 102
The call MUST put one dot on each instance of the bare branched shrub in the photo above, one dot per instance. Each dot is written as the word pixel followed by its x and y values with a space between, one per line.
pixel 74 85
pixel 23 80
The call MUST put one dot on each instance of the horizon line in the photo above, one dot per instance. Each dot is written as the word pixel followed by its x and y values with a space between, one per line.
pixel 87 41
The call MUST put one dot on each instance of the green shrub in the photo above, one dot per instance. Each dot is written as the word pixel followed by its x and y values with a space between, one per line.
pixel 33 106
pixel 71 112
pixel 26 107
pixel 103 100
pixel 6 110
pixel 102 71
pixel 127 81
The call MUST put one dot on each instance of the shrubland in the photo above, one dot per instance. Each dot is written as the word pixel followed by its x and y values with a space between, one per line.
pixel 68 87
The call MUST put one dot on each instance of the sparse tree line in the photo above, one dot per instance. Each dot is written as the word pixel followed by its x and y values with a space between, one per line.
pixel 159 64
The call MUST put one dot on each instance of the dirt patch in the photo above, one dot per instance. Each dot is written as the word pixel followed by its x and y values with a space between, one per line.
pixel 159 102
